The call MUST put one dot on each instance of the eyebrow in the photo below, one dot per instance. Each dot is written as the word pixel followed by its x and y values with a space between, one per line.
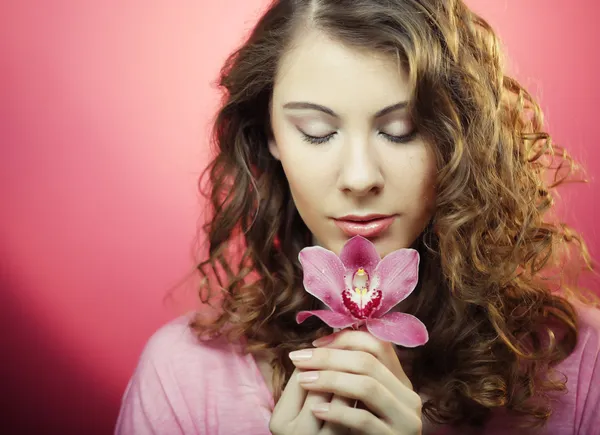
pixel 327 110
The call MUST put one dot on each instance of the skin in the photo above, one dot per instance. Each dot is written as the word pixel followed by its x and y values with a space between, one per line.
pixel 353 365
pixel 364 164
pixel 359 169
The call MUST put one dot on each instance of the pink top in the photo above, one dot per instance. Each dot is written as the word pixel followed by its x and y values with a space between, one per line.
pixel 182 386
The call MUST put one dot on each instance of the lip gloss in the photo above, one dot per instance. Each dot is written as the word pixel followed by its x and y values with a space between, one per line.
pixel 370 228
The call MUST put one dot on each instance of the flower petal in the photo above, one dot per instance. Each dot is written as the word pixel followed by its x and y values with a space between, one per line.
pixel 323 276
pixel 399 328
pixel 396 276
pixel 359 252
pixel 333 319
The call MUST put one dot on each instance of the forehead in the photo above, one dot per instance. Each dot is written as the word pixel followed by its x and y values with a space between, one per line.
pixel 320 69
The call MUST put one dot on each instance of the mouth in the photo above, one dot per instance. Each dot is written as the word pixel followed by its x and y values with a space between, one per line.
pixel 366 226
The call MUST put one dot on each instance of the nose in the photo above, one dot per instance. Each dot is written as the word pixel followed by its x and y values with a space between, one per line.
pixel 360 172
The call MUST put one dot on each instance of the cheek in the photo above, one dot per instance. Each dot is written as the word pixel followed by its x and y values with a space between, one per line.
pixel 414 180
pixel 427 181
pixel 304 189
pixel 307 176
pixel 307 192
pixel 308 198
pixel 306 165
pixel 428 175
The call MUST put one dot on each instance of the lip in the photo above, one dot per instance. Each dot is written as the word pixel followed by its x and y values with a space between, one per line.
pixel 367 226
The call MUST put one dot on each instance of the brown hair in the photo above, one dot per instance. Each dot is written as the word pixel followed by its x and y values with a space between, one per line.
pixel 487 292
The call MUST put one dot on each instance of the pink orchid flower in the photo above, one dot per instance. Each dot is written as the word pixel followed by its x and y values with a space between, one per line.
pixel 360 289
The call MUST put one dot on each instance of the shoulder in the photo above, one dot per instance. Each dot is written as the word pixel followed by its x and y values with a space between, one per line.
pixel 181 382
pixel 579 408
pixel 588 339
pixel 586 356
pixel 175 353
pixel 175 344
pixel 589 319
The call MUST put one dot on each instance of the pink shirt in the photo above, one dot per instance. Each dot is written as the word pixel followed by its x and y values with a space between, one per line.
pixel 182 386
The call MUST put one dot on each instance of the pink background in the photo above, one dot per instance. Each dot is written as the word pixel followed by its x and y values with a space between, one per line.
pixel 104 109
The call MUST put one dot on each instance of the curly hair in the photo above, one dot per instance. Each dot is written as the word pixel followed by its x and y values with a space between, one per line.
pixel 491 292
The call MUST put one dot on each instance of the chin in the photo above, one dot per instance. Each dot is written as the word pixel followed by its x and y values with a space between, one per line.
pixel 385 244
pixel 389 243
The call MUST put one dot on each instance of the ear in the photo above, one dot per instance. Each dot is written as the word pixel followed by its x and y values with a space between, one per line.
pixel 274 149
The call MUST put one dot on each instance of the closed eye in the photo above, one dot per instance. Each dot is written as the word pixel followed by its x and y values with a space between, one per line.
pixel 400 139
pixel 317 139
pixel 394 139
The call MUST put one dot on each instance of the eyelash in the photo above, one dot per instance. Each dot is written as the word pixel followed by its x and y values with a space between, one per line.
pixel 394 139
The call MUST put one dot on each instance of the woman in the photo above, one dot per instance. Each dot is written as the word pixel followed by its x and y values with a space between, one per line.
pixel 340 115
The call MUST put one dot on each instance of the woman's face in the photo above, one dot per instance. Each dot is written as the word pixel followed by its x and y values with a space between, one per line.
pixel 348 148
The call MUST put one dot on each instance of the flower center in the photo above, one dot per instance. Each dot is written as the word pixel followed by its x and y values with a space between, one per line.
pixel 361 300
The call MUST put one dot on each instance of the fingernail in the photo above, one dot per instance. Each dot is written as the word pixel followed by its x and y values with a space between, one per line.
pixel 301 355
pixel 320 407
pixel 308 376
pixel 323 341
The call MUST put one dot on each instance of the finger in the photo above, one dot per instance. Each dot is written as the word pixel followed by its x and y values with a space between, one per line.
pixel 364 341
pixel 306 421
pixel 331 427
pixel 349 361
pixel 368 390
pixel 291 401
pixel 358 420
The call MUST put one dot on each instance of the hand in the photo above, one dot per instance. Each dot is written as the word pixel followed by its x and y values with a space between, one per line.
pixel 293 416
pixel 358 366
